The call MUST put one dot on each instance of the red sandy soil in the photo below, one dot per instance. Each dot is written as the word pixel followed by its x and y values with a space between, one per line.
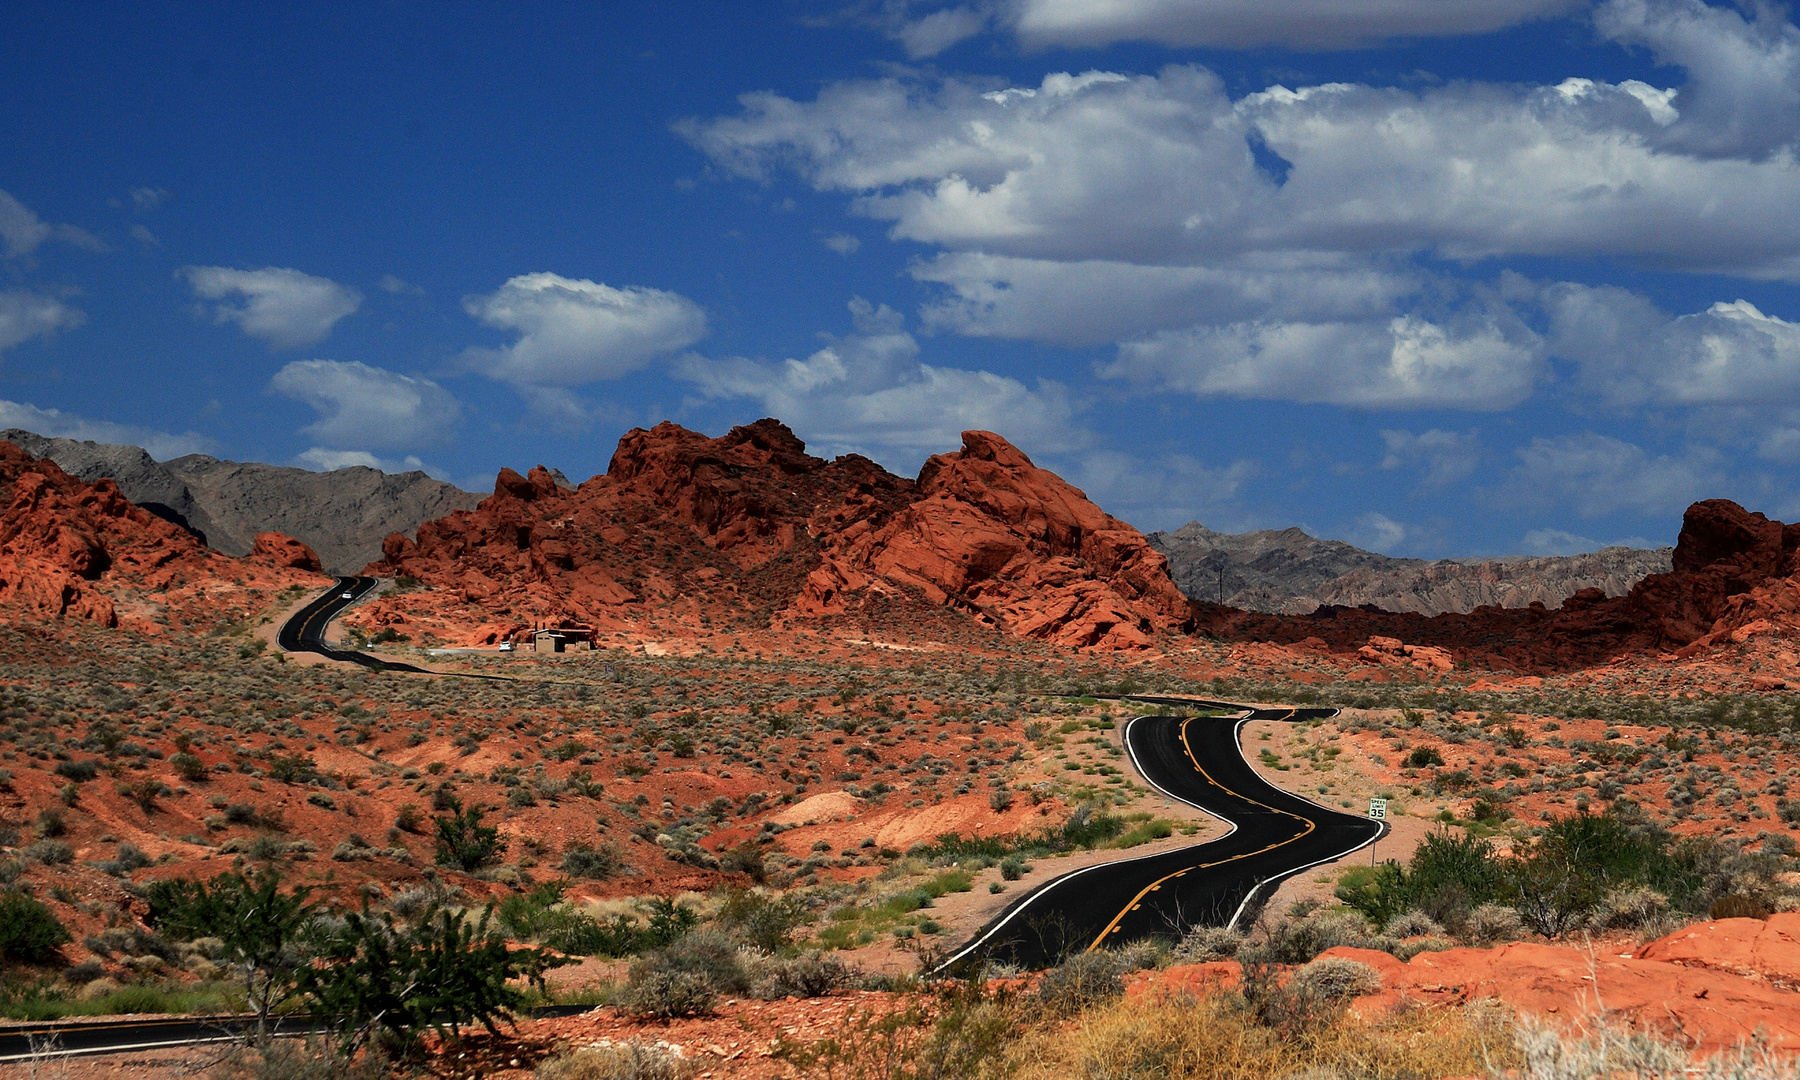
pixel 715 567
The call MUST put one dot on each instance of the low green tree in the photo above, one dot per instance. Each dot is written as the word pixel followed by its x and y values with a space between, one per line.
pixel 264 930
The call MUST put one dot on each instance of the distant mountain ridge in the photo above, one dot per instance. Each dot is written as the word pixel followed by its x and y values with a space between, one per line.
pixel 343 515
pixel 1289 572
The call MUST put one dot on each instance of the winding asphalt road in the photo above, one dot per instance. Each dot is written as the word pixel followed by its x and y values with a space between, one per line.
pixel 305 630
pixel 1198 761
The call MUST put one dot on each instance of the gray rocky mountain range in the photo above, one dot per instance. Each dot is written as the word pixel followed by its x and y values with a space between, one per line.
pixel 1288 572
pixel 343 515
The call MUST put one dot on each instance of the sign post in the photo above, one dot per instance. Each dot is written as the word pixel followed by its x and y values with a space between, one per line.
pixel 1377 812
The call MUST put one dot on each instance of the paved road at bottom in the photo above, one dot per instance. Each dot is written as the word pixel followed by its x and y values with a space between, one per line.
pixel 1197 761
pixel 72 1038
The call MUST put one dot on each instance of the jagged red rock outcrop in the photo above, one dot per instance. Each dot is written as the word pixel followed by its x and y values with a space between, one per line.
pixel 283 550
pixel 62 541
pixel 750 528
pixel 992 533
pixel 1733 577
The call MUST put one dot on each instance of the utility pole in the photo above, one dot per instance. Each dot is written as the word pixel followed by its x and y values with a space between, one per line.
pixel 1221 591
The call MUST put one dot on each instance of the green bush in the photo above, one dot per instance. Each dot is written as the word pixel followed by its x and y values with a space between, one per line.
pixel 29 930
pixel 463 841
pixel 78 771
pixel 763 922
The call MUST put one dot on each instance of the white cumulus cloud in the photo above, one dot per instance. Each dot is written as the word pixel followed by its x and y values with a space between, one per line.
pixel 1631 353
pixel 1477 362
pixel 363 407
pixel 869 392
pixel 1300 24
pixel 56 424
pixel 1596 475
pixel 286 308
pixel 25 315
pixel 324 459
pixel 573 331
pixel 1443 457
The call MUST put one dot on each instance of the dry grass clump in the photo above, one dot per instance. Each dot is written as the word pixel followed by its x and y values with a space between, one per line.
pixel 1217 1036
pixel 1607 1049
pixel 626 1060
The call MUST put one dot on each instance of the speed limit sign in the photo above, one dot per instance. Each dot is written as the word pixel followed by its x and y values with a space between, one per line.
pixel 1378 809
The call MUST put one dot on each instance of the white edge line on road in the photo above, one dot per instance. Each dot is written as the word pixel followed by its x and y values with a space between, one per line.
pixel 128 1048
pixel 1044 889
pixel 1380 831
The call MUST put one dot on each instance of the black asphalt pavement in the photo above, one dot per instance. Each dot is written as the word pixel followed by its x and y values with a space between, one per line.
pixel 73 1038
pixel 305 631
pixel 1219 883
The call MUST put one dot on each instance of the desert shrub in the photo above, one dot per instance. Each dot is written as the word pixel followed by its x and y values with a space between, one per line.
pixel 1424 756
pixel 1012 868
pixel 1336 978
pixel 463 841
pixel 1490 923
pixel 190 767
pixel 1298 940
pixel 29 930
pixel 85 972
pixel 709 955
pixel 1631 908
pixel 260 928
pixel 762 922
pixel 130 857
pixel 1081 981
pixel 48 852
pixel 78 771
pixel 596 864
pixel 1414 923
pixel 1220 1035
pixel 745 858
pixel 662 995
pixel 408 819
pixel 1207 943
pixel 1738 906
pixel 809 975
pixel 1559 882
pixel 1088 827
pixel 288 1059
pixel 627 1060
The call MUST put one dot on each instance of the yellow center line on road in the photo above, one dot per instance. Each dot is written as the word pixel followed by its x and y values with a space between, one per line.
pixel 1113 927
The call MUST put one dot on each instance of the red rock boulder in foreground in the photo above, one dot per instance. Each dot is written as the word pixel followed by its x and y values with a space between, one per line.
pixel 62 541
pixel 748 528
pixel 1713 985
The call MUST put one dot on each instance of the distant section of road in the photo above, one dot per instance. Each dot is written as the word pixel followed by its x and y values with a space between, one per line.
pixel 116 1035
pixel 1198 761
pixel 305 630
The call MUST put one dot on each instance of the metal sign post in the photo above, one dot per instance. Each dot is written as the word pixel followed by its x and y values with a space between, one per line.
pixel 1377 812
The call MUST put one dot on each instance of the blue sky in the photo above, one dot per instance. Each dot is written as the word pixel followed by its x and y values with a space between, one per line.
pixel 1440 279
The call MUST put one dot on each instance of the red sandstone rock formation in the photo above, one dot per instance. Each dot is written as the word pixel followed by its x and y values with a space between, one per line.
pixel 992 533
pixel 748 527
pixel 1734 576
pixel 62 540
pixel 1713 985
pixel 281 549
